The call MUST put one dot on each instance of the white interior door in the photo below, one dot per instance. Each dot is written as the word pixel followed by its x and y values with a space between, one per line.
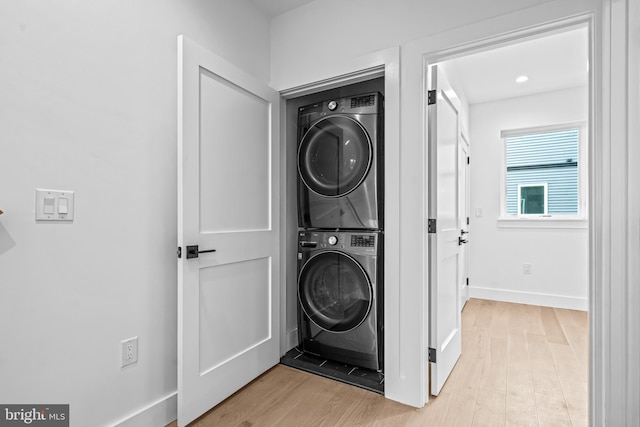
pixel 463 211
pixel 444 291
pixel 228 181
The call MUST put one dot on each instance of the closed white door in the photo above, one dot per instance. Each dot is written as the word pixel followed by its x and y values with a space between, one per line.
pixel 228 181
pixel 445 340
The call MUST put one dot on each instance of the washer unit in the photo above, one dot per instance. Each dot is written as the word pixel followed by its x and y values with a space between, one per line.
pixel 340 163
pixel 340 294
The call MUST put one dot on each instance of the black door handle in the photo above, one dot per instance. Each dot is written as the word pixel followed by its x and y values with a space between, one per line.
pixel 193 252
pixel 460 242
pixel 462 232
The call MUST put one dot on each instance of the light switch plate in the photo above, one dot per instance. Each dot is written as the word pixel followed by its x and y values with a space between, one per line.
pixel 44 211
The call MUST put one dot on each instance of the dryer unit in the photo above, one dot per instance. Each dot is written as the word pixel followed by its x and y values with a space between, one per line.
pixel 340 294
pixel 340 163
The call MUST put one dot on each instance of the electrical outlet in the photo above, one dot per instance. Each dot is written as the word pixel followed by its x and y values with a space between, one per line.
pixel 526 268
pixel 129 351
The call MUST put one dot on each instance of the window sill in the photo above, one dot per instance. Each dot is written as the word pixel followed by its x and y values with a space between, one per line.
pixel 544 222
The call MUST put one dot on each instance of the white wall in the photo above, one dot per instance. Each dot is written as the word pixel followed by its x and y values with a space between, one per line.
pixel 318 37
pixel 88 103
pixel 496 253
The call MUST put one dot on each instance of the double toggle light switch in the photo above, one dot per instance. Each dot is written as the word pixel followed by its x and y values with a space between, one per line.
pixel 54 205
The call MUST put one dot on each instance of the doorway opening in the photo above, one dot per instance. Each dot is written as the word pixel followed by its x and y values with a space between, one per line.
pixel 526 136
pixel 525 105
pixel 303 346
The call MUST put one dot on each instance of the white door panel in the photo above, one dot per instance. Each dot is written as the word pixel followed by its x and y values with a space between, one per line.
pixel 240 284
pixel 228 300
pixel 224 110
pixel 444 207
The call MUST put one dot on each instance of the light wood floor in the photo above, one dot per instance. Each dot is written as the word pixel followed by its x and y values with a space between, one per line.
pixel 521 365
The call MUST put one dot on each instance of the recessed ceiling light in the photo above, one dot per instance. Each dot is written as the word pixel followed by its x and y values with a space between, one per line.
pixel 522 79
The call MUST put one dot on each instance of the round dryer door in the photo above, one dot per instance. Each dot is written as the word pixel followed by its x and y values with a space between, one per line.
pixel 334 156
pixel 335 292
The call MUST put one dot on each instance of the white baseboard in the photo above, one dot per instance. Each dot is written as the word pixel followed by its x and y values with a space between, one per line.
pixel 157 414
pixel 546 300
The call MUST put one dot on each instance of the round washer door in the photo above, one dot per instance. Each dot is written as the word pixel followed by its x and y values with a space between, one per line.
pixel 334 291
pixel 334 156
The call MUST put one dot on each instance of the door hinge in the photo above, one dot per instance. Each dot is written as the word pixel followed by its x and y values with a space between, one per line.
pixel 468 160
pixel 467 281
pixel 432 225
pixel 179 251
pixel 467 220
pixel 432 355
pixel 431 97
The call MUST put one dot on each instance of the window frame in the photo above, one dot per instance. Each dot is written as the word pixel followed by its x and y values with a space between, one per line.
pixel 546 220
pixel 545 187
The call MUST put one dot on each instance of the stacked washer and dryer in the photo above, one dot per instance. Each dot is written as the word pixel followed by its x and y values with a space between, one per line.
pixel 340 239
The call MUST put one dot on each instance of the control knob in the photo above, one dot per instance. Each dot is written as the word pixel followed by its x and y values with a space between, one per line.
pixel 332 105
pixel 332 240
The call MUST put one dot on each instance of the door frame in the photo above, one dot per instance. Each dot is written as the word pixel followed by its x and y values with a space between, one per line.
pixel 383 63
pixel 599 132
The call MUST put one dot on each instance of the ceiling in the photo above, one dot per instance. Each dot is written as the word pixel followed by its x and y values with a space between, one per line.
pixel 273 8
pixel 554 62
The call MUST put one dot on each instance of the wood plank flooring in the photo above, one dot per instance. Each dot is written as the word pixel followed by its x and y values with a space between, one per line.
pixel 521 365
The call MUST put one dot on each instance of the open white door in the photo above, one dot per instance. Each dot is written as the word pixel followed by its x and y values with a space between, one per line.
pixel 463 212
pixel 228 181
pixel 445 340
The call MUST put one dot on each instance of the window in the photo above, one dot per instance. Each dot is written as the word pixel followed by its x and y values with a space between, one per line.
pixel 542 173
pixel 533 199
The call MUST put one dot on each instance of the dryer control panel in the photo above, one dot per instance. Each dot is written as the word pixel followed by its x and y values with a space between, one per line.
pixel 363 241
pixel 359 104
